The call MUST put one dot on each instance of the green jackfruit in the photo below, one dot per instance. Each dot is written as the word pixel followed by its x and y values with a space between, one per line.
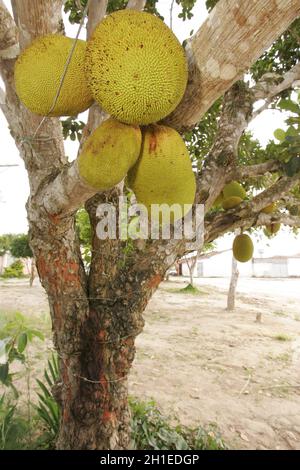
pixel 38 73
pixel 234 189
pixel 242 248
pixel 218 202
pixel 108 154
pixel 231 202
pixel 272 229
pixel 136 67
pixel 163 174
pixel 269 209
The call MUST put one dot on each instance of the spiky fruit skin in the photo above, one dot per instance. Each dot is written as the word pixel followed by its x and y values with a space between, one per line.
pixel 272 229
pixel 38 73
pixel 136 67
pixel 108 154
pixel 163 174
pixel 231 202
pixel 269 209
pixel 243 248
pixel 234 189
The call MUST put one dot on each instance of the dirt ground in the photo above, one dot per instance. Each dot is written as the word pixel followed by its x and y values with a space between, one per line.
pixel 204 365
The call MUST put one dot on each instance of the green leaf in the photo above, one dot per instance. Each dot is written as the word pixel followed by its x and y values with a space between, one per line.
pixel 4 372
pixel 37 334
pixel 289 105
pixel 22 342
pixel 292 166
pixel 279 134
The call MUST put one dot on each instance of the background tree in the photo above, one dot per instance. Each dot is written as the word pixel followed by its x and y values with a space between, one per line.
pixel 96 315
pixel 20 248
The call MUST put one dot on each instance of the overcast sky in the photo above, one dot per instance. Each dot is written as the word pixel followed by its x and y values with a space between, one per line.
pixel 13 181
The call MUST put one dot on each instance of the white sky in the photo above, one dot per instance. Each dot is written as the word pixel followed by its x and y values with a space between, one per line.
pixel 14 188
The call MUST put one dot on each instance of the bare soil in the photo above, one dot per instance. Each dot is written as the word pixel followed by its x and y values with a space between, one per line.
pixel 204 365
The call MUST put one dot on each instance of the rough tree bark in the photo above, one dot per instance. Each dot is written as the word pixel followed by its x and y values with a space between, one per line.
pixel 96 318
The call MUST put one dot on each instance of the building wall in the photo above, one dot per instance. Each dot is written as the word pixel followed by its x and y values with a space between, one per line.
pixel 270 269
pixel 294 266
pixel 220 266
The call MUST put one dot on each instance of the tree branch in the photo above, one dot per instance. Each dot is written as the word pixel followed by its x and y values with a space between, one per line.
pixel 136 4
pixel 234 36
pixel 97 10
pixel 66 192
pixel 248 214
pixel 271 85
pixel 285 219
pixel 9 47
pixel 250 171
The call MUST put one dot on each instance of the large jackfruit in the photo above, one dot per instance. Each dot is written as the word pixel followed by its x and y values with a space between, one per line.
pixel 108 154
pixel 38 73
pixel 234 189
pixel 231 202
pixel 136 67
pixel 242 248
pixel 163 174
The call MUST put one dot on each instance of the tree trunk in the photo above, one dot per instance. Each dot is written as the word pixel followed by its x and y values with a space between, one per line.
pixel 233 284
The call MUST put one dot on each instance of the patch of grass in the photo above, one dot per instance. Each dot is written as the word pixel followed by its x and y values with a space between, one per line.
pixel 153 431
pixel 279 313
pixel 282 337
pixel 297 317
pixel 189 289
pixel 284 357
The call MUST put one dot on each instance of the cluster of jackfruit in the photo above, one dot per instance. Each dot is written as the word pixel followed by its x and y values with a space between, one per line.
pixel 231 196
pixel 135 68
pixel 273 227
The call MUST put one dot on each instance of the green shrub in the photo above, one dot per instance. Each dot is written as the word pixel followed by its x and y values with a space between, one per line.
pixel 152 431
pixel 48 408
pixel 13 428
pixel 14 270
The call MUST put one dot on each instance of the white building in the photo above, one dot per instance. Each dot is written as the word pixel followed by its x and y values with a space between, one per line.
pixel 220 266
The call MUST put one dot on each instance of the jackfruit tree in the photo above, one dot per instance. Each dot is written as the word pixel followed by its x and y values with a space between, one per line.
pixel 98 312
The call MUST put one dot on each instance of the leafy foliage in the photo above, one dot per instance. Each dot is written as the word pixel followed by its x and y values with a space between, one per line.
pixel 200 139
pixel 282 55
pixel 72 128
pixel 14 270
pixel 75 8
pixel 48 408
pixel 15 335
pixel 210 4
pixel 19 247
pixel 83 227
pixel 152 431
pixel 5 243
pixel 13 428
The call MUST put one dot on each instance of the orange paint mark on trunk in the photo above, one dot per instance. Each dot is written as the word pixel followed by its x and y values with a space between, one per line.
pixel 55 219
pixel 102 335
pixel 154 281
pixel 108 416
